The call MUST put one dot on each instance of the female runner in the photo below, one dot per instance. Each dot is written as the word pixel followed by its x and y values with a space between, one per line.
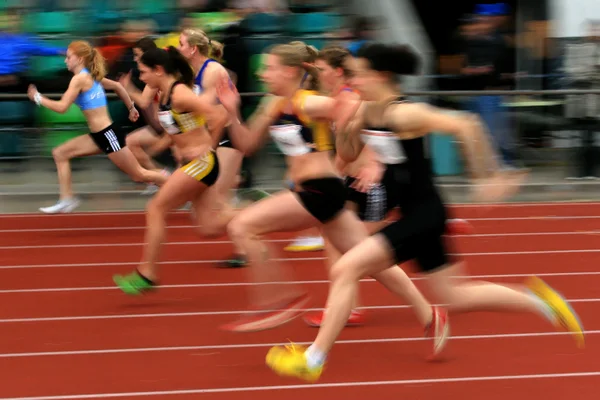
pixel 309 239
pixel 203 53
pixel 390 125
pixel 364 193
pixel 298 122
pixel 86 89
pixel 144 142
pixel 183 114
pixel 198 49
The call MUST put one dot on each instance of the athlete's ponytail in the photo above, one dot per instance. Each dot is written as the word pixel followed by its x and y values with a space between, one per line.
pixel 217 50
pixel 98 67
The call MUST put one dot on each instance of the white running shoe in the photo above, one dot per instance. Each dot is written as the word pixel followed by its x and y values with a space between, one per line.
pixel 62 206
pixel 151 188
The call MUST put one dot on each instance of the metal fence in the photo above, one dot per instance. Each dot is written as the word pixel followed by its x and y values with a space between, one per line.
pixel 460 93
pixel 531 125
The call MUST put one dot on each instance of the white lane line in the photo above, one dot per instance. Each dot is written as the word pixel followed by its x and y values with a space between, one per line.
pixel 129 263
pixel 260 345
pixel 85 229
pixel 191 262
pixel 141 227
pixel 202 313
pixel 399 382
pixel 92 245
pixel 211 242
pixel 524 204
pixel 300 282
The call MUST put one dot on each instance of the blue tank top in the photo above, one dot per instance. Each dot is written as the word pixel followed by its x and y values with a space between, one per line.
pixel 95 97
pixel 198 80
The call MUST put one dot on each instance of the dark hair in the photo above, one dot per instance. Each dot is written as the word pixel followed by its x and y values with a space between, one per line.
pixel 335 56
pixel 172 61
pixel 398 59
pixel 145 44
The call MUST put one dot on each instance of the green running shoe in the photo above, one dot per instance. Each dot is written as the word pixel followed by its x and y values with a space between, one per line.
pixel 134 284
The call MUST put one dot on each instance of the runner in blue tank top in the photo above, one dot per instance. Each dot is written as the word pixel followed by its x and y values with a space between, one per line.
pixel 86 90
pixel 204 54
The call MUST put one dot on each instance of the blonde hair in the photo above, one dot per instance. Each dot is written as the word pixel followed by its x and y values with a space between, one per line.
pixel 299 54
pixel 206 46
pixel 92 59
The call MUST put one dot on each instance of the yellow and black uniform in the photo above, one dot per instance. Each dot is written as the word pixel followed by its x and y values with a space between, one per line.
pixel 296 134
pixel 175 123
pixel 204 169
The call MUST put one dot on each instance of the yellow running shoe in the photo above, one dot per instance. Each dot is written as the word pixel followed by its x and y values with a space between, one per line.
pixel 303 244
pixel 291 361
pixel 565 316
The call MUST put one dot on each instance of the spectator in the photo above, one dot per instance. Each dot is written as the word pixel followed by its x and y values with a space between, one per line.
pixel 583 70
pixel 363 31
pixel 131 33
pixel 15 50
pixel 236 58
pixel 484 53
pixel 172 38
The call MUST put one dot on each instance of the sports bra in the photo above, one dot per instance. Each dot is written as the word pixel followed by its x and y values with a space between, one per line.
pixel 296 134
pixel 198 80
pixel 173 122
pixel 95 97
pixel 385 143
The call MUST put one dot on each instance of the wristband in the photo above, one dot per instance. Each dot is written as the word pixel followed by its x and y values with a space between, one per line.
pixel 37 97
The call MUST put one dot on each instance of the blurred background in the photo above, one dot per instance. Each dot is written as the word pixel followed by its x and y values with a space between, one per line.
pixel 511 62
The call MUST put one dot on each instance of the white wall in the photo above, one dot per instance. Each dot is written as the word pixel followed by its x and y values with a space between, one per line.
pixel 569 16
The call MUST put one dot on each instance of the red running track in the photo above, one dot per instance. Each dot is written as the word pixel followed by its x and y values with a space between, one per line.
pixel 68 333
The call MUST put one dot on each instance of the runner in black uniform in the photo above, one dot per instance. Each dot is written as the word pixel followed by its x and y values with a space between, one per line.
pixel 390 124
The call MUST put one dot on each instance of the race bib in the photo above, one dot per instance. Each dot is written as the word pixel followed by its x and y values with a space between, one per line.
pixel 385 144
pixel 167 122
pixel 288 139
